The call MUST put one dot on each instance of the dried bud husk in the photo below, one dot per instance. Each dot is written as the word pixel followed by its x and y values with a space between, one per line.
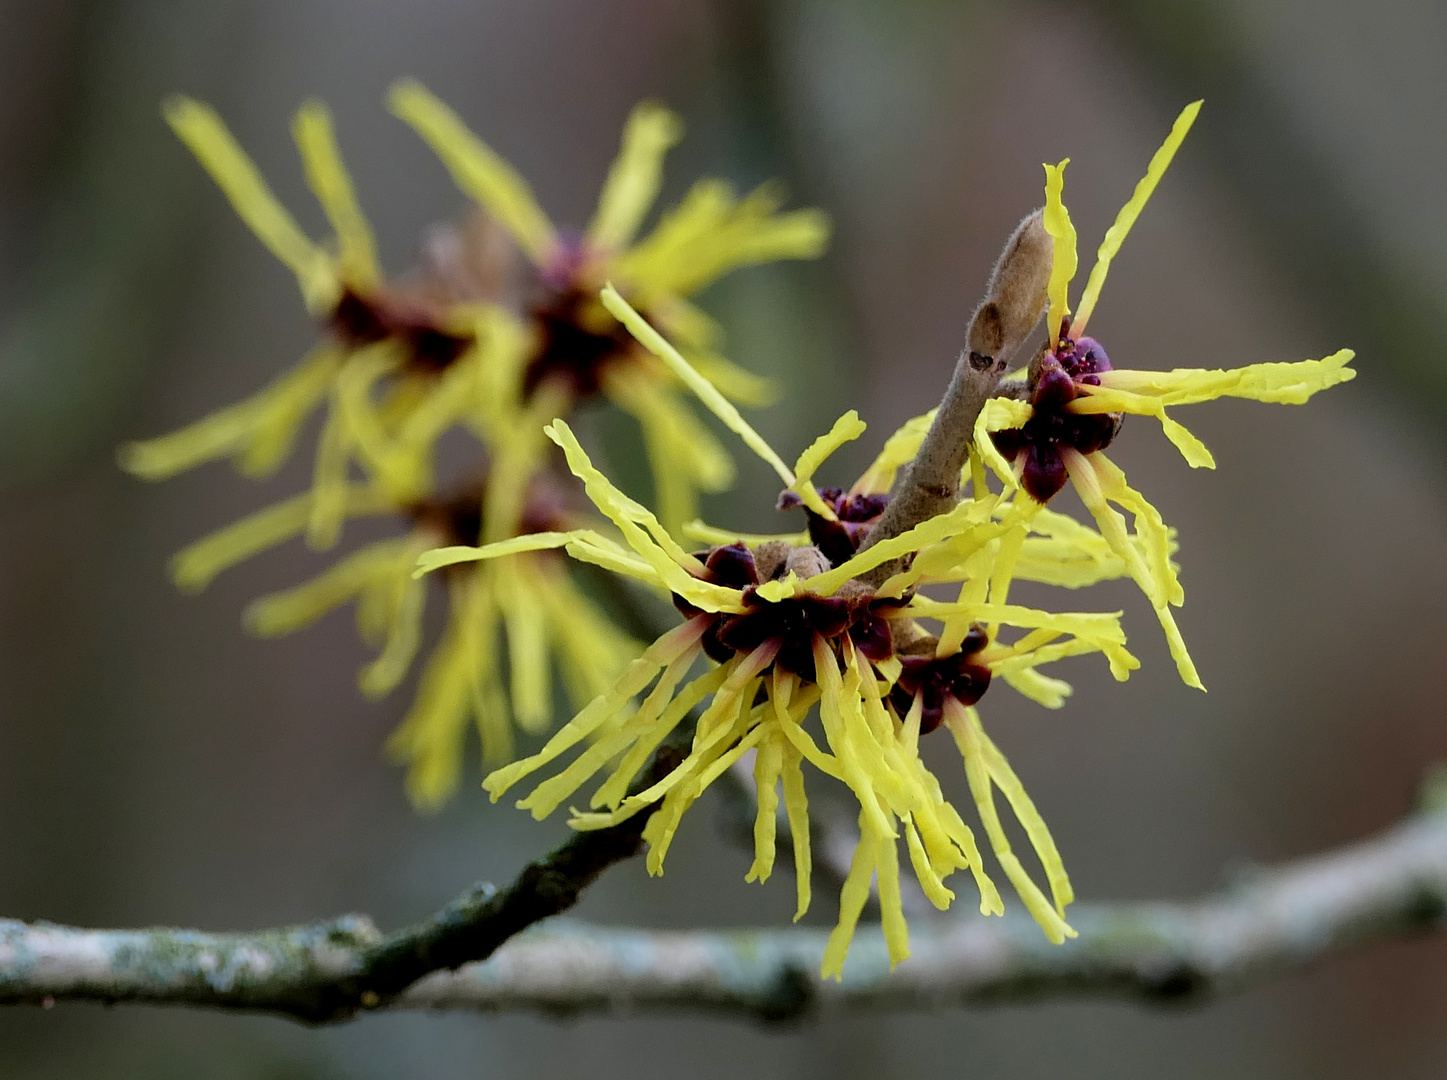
pixel 1016 295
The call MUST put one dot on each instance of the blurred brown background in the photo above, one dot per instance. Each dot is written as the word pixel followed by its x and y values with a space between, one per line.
pixel 158 766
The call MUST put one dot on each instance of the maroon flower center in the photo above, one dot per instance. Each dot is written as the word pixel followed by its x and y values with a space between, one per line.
pixel 839 540
pixel 793 623
pixel 960 676
pixel 571 350
pixel 1052 428
pixel 358 321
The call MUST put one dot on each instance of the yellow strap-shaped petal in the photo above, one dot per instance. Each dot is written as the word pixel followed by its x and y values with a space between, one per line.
pixel 1116 234
pixel 898 451
pixel 716 403
pixel 1062 270
pixel 590 547
pixel 1111 524
pixel 437 558
pixel 477 169
pixel 852 898
pixel 1150 527
pixel 977 772
pixel 1091 477
pixel 615 788
pixel 962 517
pixel 1099 400
pixel 203 131
pixel 736 383
pixel 283 612
pixel 999 414
pixel 656 710
pixel 711 233
pixel 891 906
pixel 1092 625
pixel 526 621
pixel 195 565
pixel 1041 689
pixel 1274 383
pixel 796 804
pixel 404 634
pixel 330 182
pixel 846 429
pixel 430 740
pixel 790 714
pixel 642 530
pixel 604 708
pixel 1028 816
pixel 635 176
pixel 683 454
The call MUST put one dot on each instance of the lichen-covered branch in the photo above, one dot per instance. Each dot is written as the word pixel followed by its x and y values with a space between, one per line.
pixel 323 972
pixel 1267 924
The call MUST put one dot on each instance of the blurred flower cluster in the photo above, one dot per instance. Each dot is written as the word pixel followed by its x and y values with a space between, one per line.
pixel 472 343
pixel 884 616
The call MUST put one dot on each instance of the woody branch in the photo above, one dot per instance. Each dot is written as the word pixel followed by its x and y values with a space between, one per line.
pixel 1267 925
pixel 1013 304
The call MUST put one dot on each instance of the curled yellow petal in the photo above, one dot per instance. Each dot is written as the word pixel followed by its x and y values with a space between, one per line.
pixel 1275 383
pixel 437 558
pixel 643 532
pixel 476 168
pixel 1116 234
pixel 204 132
pixel 716 403
pixel 635 176
pixel 846 429
pixel 332 185
pixel 1062 232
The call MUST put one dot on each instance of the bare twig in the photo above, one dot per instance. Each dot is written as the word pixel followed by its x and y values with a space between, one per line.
pixel 1269 924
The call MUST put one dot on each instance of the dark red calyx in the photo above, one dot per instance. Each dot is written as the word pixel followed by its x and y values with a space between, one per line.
pixel 730 565
pixel 793 622
pixel 358 321
pixel 573 348
pixel 839 540
pixel 1054 384
pixel 959 676
pixel 1054 388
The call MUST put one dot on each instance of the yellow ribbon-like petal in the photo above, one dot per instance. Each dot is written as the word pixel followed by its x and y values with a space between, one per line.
pixel 846 429
pixel 716 403
pixel 477 169
pixel 203 131
pixel 1062 270
pixel 634 178
pixel 330 182
pixel 1116 234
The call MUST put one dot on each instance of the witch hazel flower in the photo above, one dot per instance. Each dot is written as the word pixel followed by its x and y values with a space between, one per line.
pixel 403 362
pixel 577 350
pixel 786 631
pixel 403 334
pixel 1056 426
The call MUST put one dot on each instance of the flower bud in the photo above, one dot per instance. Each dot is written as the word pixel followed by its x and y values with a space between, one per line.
pixel 1015 297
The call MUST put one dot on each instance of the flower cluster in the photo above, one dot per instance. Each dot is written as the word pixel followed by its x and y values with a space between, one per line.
pixel 840 622
pixel 477 344
pixel 835 648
